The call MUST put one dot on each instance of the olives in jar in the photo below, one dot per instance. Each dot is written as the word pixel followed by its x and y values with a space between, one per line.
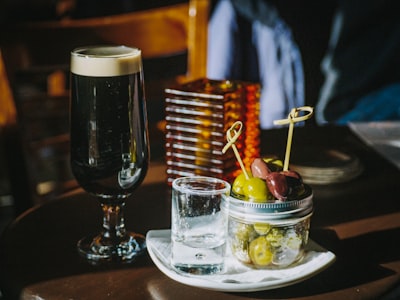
pixel 268 235
pixel 280 246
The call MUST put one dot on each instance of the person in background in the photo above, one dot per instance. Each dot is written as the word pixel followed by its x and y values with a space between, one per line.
pixel 248 40
pixel 362 64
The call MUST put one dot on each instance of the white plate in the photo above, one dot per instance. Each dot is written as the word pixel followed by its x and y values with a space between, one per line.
pixel 325 166
pixel 238 277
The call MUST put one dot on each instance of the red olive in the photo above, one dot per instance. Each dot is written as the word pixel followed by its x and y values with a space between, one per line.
pixel 293 174
pixel 277 185
pixel 259 168
pixel 295 184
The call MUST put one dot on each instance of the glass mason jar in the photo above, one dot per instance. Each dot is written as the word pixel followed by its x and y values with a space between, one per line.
pixel 269 235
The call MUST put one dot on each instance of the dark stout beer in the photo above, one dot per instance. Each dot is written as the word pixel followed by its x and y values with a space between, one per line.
pixel 109 143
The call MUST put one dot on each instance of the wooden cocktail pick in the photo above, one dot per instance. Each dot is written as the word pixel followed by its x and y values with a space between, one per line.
pixel 293 118
pixel 232 134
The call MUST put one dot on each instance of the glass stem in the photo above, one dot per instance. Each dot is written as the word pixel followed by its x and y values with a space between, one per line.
pixel 113 222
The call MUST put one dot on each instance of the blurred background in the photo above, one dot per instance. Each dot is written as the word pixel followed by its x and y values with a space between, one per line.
pixel 309 21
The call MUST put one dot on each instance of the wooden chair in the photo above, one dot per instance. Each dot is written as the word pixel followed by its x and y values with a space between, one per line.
pixel 173 40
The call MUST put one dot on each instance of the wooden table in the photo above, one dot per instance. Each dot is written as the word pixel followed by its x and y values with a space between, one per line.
pixel 359 221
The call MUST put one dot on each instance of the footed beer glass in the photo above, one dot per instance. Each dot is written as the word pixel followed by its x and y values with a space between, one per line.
pixel 109 142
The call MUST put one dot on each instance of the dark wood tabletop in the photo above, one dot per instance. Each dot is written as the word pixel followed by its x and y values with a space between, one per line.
pixel 358 220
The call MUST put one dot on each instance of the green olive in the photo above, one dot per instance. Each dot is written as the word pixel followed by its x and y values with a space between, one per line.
pixel 255 189
pixel 275 237
pixel 238 184
pixel 262 228
pixel 242 234
pixel 274 164
pixel 260 252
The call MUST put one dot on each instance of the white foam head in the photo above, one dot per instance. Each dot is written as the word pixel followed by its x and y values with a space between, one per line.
pixel 102 61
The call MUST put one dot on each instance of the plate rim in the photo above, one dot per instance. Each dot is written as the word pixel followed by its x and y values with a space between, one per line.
pixel 201 281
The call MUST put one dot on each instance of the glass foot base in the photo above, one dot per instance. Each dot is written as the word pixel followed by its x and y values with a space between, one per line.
pixel 97 249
